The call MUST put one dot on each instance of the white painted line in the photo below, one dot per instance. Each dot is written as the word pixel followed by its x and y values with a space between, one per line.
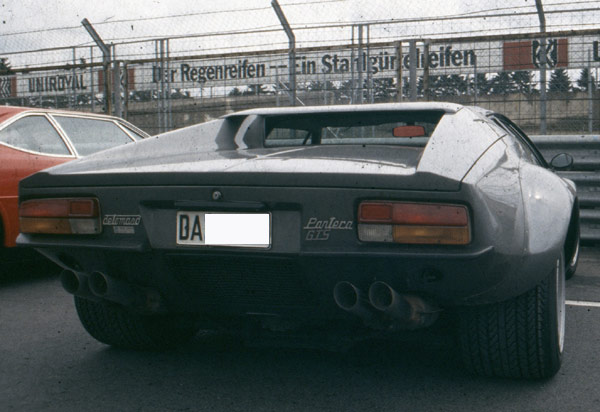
pixel 582 303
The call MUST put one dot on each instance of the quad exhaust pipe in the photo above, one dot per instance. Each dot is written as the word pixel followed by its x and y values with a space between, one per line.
pixel 410 310
pixel 77 284
pixel 112 289
pixel 98 287
pixel 353 300
pixel 405 311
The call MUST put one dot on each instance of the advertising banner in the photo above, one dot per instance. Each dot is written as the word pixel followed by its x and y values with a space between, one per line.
pixel 329 64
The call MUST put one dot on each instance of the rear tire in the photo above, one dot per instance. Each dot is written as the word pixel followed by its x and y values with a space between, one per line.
pixel 519 338
pixel 112 324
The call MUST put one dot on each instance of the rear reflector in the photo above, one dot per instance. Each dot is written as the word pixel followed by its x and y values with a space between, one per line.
pixel 60 216
pixel 375 233
pixel 413 223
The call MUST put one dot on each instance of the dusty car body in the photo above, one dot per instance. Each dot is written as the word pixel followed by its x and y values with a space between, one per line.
pixel 350 219
pixel 33 139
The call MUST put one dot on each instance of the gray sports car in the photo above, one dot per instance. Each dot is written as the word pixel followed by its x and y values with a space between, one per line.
pixel 356 220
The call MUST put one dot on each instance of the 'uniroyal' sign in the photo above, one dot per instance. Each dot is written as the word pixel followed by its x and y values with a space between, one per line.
pixel 530 54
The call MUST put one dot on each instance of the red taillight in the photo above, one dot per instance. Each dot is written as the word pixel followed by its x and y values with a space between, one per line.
pixel 83 208
pixel 375 212
pixel 59 208
pixel 413 223
pixel 60 216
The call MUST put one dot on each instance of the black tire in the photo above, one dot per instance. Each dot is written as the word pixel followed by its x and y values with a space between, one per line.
pixel 520 338
pixel 112 324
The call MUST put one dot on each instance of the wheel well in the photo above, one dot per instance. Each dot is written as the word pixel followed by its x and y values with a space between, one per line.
pixel 572 233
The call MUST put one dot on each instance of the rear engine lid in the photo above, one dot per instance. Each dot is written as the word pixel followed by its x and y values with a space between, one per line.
pixel 370 150
pixel 360 166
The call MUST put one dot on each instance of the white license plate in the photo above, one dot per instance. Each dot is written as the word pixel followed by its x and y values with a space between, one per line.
pixel 224 229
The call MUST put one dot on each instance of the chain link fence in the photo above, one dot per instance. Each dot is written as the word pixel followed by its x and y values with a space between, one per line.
pixel 495 57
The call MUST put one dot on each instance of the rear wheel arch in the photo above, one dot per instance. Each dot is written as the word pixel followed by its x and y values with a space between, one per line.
pixel 572 242
pixel 548 204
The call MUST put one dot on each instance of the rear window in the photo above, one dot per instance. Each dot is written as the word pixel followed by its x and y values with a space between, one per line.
pixel 384 128
pixel 34 133
pixel 92 135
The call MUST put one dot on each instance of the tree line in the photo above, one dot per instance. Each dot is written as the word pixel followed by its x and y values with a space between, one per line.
pixel 482 84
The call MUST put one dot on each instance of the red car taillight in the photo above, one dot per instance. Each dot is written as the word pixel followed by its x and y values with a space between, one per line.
pixel 413 223
pixel 79 216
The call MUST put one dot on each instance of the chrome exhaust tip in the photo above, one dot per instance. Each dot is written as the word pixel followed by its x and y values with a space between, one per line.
pixel 346 296
pixel 408 310
pixel 351 299
pixel 69 281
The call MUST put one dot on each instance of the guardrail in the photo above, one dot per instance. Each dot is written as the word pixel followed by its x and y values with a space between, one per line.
pixel 585 150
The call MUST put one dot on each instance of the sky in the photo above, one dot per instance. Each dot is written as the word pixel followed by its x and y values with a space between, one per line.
pixel 39 24
pixel 20 16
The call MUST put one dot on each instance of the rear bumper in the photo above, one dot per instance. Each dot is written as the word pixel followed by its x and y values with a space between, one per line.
pixel 297 274
pixel 300 285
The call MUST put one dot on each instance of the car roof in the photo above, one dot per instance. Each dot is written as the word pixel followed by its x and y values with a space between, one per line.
pixel 364 108
pixel 6 112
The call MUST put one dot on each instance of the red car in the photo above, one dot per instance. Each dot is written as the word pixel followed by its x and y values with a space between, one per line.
pixel 33 139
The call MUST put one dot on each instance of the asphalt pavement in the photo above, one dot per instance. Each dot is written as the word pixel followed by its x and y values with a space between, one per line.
pixel 49 363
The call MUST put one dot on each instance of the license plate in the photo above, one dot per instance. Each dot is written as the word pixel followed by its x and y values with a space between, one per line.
pixel 224 229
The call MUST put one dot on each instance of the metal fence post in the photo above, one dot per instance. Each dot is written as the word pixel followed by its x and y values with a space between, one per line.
pixel 292 49
pixel 352 70
pixel 543 97
pixel 426 91
pixel 116 80
pixel 159 74
pixel 92 95
pixel 125 85
pixel 590 86
pixel 74 76
pixel 369 68
pixel 475 82
pixel 160 98
pixel 168 92
pixel 542 18
pixel 413 70
pixel 105 65
pixel 399 63
pixel 361 56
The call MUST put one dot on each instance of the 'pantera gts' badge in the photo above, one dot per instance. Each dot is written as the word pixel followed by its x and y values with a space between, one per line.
pixel 320 229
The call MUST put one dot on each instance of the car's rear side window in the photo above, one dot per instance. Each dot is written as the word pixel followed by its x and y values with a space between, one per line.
pixel 92 135
pixel 520 138
pixel 36 134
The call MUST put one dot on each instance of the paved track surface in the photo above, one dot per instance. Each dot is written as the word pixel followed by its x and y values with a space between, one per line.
pixel 49 363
